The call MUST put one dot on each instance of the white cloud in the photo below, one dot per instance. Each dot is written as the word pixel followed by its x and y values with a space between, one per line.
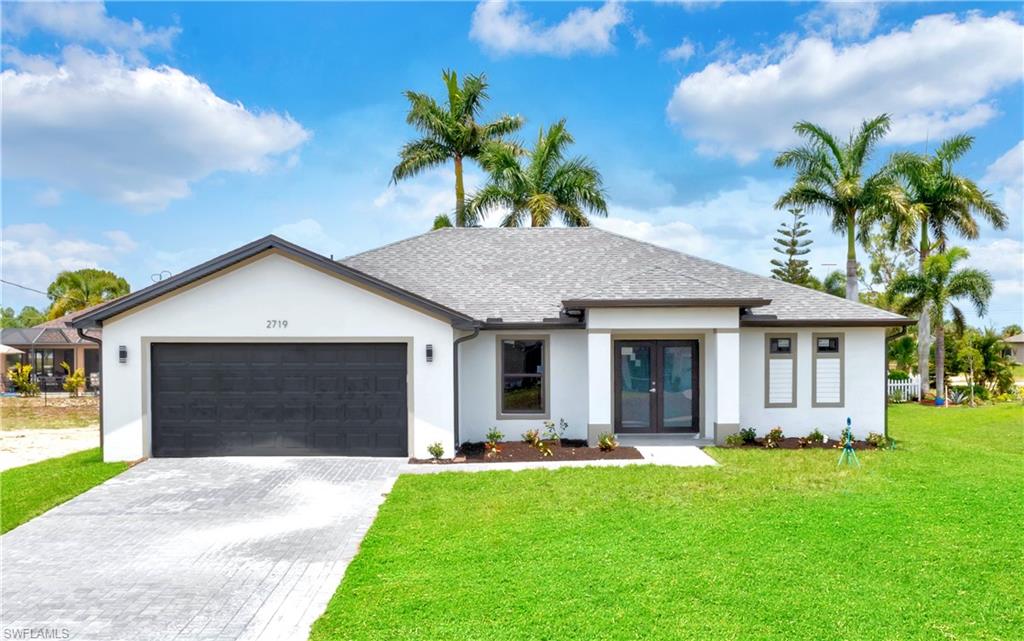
pixel 1006 174
pixel 683 51
pixel 134 135
pixel 1003 259
pixel 420 200
pixel 843 20
pixel 33 254
pixel 309 233
pixel 49 197
pixel 744 107
pixel 85 22
pixel 503 27
pixel 678 235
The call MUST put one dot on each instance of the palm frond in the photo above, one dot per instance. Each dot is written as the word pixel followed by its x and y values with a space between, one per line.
pixel 418 156
pixel 870 134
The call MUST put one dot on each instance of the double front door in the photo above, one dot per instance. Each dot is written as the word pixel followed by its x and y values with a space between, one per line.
pixel 657 386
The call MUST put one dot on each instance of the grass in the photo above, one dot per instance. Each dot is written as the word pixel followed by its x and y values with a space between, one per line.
pixel 54 412
pixel 923 542
pixel 28 491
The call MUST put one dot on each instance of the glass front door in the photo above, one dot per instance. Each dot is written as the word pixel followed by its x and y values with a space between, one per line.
pixel 657 386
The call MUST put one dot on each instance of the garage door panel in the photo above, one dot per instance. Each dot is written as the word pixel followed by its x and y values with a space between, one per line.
pixel 270 399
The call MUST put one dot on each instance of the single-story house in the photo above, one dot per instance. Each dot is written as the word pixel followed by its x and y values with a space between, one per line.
pixel 46 345
pixel 274 349
pixel 1015 348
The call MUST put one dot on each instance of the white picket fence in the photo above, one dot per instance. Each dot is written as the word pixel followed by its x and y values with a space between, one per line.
pixel 905 390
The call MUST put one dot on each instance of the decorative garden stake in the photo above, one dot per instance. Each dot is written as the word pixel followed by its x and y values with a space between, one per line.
pixel 848 457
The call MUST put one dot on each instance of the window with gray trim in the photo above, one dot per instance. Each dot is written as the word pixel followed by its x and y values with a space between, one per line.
pixel 827 370
pixel 780 370
pixel 522 370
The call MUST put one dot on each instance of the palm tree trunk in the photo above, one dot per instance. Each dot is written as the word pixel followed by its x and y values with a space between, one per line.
pixel 940 359
pixel 460 194
pixel 851 258
pixel 924 325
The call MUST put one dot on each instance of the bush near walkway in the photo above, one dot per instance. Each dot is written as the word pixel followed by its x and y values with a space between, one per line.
pixel 921 542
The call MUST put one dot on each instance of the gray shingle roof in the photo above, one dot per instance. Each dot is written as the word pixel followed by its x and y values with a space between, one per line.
pixel 524 275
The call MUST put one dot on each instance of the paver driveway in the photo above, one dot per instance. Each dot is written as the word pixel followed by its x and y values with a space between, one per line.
pixel 229 548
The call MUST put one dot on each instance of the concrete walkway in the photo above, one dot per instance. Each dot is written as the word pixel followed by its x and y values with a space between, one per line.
pixel 216 548
pixel 673 455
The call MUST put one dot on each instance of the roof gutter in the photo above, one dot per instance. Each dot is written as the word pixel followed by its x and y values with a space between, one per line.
pixel 99 344
pixel 455 379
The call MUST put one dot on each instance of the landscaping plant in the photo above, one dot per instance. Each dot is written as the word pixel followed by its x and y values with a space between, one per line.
pixel 436 450
pixel 734 440
pixel 606 442
pixel 21 380
pixel 748 434
pixel 74 382
pixel 532 437
pixel 816 436
pixel 493 437
pixel 772 438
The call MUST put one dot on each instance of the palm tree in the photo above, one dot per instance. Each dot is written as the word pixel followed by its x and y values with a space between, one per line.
pixel 72 291
pixel 939 284
pixel 830 178
pixel 547 185
pixel 938 201
pixel 450 132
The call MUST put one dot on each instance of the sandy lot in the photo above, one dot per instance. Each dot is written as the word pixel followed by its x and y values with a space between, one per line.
pixel 21 447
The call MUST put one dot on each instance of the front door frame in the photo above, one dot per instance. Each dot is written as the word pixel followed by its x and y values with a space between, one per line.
pixel 658 398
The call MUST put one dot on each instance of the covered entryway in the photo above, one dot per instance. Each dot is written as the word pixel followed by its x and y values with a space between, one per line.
pixel 657 386
pixel 273 399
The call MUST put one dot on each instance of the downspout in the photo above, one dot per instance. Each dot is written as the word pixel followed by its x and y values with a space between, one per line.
pixel 99 344
pixel 455 376
pixel 885 381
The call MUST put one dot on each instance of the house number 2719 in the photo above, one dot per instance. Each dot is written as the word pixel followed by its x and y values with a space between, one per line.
pixel 277 324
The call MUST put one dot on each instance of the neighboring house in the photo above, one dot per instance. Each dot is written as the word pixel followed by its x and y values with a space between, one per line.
pixel 47 345
pixel 1015 347
pixel 273 349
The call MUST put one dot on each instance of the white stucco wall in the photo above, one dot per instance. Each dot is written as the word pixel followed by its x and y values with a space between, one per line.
pixel 235 307
pixel 478 375
pixel 863 382
pixel 662 318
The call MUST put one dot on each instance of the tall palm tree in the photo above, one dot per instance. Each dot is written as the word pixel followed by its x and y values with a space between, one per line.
pixel 545 186
pixel 72 291
pixel 937 287
pixel 938 201
pixel 830 178
pixel 451 132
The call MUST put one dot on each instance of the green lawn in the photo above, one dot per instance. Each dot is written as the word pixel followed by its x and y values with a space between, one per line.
pixel 28 491
pixel 924 542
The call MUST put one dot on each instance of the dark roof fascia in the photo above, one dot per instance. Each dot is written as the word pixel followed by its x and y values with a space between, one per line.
pixel 533 325
pixel 826 322
pixel 189 276
pixel 585 303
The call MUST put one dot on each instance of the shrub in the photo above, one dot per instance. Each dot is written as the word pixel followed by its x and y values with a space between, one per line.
pixel 607 442
pixel 436 450
pixel 878 440
pixel 734 440
pixel 21 380
pixel 959 395
pixel 532 437
pixel 493 435
pixel 772 438
pixel 898 375
pixel 748 434
pixel 815 436
pixel 74 382
pixel 543 448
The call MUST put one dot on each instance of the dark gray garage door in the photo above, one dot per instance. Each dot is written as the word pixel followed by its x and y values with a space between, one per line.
pixel 279 399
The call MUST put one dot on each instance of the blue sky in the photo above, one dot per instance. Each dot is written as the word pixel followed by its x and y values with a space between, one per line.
pixel 143 137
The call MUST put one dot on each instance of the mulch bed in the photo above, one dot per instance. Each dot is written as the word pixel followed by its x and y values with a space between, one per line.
pixel 793 443
pixel 517 451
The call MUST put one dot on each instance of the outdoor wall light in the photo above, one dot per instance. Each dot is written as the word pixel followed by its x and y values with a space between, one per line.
pixel 430 353
pixel 122 354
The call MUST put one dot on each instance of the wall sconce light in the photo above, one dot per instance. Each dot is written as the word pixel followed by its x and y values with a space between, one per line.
pixel 122 354
pixel 430 353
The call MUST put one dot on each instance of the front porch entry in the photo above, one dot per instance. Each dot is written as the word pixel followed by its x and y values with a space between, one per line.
pixel 657 387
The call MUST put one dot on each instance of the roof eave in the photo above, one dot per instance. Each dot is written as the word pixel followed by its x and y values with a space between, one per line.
pixel 826 322
pixel 268 243
pixel 592 303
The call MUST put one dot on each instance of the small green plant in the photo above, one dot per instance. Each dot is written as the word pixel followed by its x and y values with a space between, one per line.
pixel 748 434
pixel 436 450
pixel 553 432
pixel 74 382
pixel 816 436
pixel 607 442
pixel 21 380
pixel 772 438
pixel 532 437
pixel 493 437
pixel 881 441
pixel 734 440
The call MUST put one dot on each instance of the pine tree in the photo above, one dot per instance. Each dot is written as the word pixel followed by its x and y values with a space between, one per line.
pixel 792 244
